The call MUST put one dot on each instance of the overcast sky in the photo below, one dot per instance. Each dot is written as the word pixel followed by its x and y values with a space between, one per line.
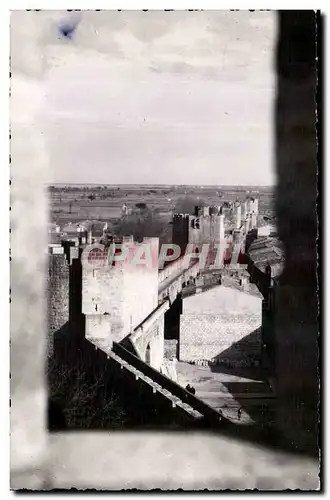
pixel 162 97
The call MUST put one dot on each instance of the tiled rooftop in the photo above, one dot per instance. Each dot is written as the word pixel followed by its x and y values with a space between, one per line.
pixel 268 250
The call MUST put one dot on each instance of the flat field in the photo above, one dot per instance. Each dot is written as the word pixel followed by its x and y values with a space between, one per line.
pixel 150 207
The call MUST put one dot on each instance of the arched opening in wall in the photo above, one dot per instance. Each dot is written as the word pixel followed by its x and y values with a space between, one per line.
pixel 148 357
pixel 172 323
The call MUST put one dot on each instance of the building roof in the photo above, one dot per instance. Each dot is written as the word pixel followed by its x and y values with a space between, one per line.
pixel 265 228
pixel 71 227
pixel 266 242
pixel 265 251
pixel 92 224
pixel 249 288
pixel 221 300
pixel 95 226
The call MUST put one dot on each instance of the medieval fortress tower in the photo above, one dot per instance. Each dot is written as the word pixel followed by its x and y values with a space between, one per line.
pixel 113 300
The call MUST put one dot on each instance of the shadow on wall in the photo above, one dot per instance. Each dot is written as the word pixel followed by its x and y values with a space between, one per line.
pixel 90 391
pixel 243 359
pixel 172 319
pixel 81 385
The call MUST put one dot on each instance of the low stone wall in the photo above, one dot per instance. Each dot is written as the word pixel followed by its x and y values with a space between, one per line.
pixel 152 403
pixel 174 390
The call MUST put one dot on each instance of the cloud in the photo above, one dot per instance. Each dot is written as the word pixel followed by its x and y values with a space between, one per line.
pixel 156 96
pixel 177 41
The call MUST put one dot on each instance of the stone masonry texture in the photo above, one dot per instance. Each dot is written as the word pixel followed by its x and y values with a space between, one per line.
pixel 170 348
pixel 58 296
pixel 214 321
pixel 209 336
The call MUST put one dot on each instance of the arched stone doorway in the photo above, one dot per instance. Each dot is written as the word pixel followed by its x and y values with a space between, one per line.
pixel 148 357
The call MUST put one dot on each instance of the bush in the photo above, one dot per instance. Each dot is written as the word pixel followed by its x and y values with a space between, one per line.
pixel 86 398
pixel 141 206
pixel 187 204
pixel 143 225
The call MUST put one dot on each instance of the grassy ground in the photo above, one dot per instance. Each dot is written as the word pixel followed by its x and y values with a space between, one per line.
pixel 80 202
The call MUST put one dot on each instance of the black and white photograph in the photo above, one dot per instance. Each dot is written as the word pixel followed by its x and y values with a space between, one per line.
pixel 164 311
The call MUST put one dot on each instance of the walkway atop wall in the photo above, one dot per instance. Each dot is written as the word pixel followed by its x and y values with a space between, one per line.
pixel 171 278
pixel 209 414
pixel 174 400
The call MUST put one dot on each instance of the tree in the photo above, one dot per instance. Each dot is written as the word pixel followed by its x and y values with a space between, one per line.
pixel 141 206
pixel 187 204
pixel 143 225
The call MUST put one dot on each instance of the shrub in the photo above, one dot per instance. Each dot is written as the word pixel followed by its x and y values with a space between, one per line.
pixel 86 397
